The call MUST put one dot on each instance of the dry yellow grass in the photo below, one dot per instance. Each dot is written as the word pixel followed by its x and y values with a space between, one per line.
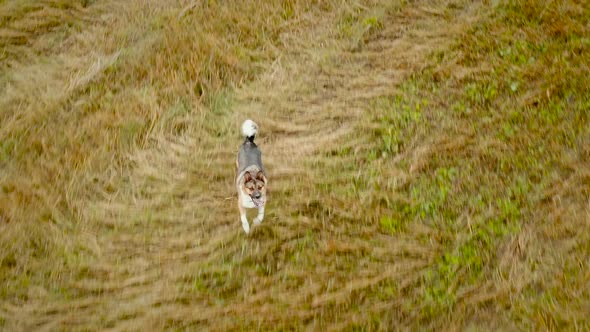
pixel 428 165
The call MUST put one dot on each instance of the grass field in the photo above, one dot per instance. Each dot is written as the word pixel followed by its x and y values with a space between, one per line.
pixel 429 165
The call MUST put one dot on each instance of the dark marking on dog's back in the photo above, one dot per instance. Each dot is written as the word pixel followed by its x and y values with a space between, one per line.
pixel 248 155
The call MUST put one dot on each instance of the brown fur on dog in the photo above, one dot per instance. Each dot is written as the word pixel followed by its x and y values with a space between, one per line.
pixel 250 185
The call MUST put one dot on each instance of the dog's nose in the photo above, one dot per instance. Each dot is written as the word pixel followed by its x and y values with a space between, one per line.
pixel 257 195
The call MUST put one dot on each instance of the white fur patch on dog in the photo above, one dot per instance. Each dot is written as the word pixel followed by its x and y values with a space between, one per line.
pixel 249 128
pixel 246 200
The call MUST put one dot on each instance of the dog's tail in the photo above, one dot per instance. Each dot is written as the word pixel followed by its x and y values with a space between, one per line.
pixel 249 130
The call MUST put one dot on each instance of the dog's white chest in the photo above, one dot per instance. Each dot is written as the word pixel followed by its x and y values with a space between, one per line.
pixel 247 201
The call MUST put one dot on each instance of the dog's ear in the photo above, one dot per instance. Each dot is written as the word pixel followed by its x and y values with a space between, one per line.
pixel 260 176
pixel 247 177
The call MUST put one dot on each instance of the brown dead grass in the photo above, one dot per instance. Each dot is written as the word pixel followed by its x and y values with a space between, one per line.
pixel 400 195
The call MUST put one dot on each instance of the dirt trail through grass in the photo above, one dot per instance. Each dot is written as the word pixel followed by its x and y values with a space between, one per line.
pixel 170 251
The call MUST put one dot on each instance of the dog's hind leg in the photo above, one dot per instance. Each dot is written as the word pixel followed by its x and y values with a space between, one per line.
pixel 260 216
pixel 243 218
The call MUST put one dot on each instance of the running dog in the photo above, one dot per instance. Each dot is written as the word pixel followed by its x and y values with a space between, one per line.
pixel 251 179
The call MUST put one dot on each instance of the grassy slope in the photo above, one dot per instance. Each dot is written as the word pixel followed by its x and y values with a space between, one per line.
pixel 463 202
pixel 492 138
pixel 78 97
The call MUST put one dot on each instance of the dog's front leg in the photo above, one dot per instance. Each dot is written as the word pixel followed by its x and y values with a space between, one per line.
pixel 260 216
pixel 243 218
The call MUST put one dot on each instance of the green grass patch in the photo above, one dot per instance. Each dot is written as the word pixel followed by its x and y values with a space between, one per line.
pixel 478 151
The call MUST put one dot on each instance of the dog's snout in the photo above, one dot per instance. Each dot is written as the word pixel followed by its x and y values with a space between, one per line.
pixel 257 194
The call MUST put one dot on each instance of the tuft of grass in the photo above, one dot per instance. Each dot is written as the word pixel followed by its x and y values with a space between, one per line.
pixel 360 25
pixel 390 224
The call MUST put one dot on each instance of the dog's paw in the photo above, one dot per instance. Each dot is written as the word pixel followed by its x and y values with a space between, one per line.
pixel 246 228
pixel 257 221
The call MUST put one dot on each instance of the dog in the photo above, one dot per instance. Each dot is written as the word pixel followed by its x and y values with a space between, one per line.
pixel 251 181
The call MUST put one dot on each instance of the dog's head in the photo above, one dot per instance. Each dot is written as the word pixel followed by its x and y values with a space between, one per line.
pixel 255 187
